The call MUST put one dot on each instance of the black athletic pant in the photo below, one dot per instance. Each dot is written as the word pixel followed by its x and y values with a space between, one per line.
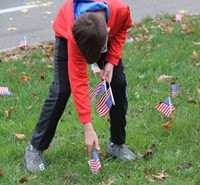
pixel 59 94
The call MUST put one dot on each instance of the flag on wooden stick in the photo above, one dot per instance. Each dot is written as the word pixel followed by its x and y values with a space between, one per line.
pixel 175 90
pixel 23 42
pixel 101 87
pixel 94 163
pixel 105 103
pixel 166 107
pixel 95 68
pixel 4 91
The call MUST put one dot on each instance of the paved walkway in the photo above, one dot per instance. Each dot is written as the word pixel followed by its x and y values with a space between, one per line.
pixel 36 24
pixel 143 8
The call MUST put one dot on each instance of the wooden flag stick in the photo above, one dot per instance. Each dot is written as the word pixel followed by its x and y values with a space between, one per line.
pixel 170 106
pixel 113 101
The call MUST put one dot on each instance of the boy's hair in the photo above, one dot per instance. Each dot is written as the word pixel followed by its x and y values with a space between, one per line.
pixel 90 34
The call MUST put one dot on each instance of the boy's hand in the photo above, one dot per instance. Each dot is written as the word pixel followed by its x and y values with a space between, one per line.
pixel 91 139
pixel 107 72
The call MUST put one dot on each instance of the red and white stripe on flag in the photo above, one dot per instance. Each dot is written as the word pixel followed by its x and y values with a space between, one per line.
pixel 165 109
pixel 94 165
pixel 95 68
pixel 102 106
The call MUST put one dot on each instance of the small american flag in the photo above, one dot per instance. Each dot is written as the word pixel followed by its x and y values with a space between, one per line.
pixel 94 163
pixel 105 103
pixel 175 90
pixel 95 68
pixel 166 107
pixel 101 87
pixel 4 91
pixel 23 42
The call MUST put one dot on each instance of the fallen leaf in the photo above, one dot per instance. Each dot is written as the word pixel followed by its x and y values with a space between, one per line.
pixel 152 146
pixel 45 4
pixel 161 176
pixel 148 171
pixel 109 182
pixel 20 136
pixel 12 29
pixel 169 29
pixel 194 55
pixel 23 180
pixel 196 43
pixel 164 77
pixel 129 40
pixel 50 66
pixel 147 154
pixel 29 108
pixel 190 29
pixel 198 90
pixel 25 78
pixel 31 3
pixel 198 64
pixel 8 112
pixel 47 12
pixel 185 17
pixel 183 11
pixel 24 10
pixel 33 177
pixel 150 179
pixel 70 175
pixel 1 171
pixel 167 125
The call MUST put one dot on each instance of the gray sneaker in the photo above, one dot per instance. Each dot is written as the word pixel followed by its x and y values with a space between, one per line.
pixel 120 151
pixel 34 159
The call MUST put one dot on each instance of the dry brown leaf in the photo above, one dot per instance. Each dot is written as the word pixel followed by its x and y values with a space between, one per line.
pixel 198 90
pixel 198 64
pixel 185 17
pixel 20 136
pixel 169 29
pixel 147 154
pixel 150 179
pixel 167 125
pixel 196 43
pixel 25 78
pixel 161 176
pixel 109 182
pixel 183 27
pixel 164 77
pixel 190 29
pixel 8 112
pixel 1 171
pixel 194 55
pixel 23 180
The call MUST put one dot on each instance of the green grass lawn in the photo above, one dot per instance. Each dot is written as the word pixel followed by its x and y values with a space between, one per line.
pixel 160 46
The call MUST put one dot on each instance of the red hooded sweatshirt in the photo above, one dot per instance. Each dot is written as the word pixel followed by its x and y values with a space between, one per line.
pixel 119 22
